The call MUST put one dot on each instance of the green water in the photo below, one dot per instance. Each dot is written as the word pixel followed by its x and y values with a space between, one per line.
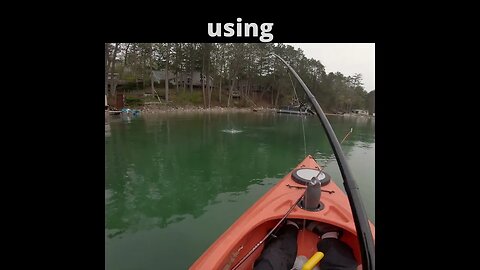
pixel 175 183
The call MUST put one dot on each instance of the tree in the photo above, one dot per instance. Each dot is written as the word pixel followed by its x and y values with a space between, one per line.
pixel 178 64
pixel 237 66
pixel 192 61
pixel 235 51
pixel 221 62
pixel 357 80
pixel 208 47
pixel 371 102
pixel 144 57
pixel 112 70
pixel 152 78
pixel 126 54
pixel 167 58
pixel 202 80
pixel 106 68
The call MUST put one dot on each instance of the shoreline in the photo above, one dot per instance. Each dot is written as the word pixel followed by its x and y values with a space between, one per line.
pixel 151 110
pixel 193 109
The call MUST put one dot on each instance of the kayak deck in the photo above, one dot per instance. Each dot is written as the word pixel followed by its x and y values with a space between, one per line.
pixel 258 220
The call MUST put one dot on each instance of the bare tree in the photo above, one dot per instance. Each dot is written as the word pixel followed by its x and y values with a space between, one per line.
pixel 221 47
pixel 112 70
pixel 152 78
pixel 220 91
pixel 177 63
pixel 209 88
pixel 126 54
pixel 231 88
pixel 106 68
pixel 192 49
pixel 202 75
pixel 167 56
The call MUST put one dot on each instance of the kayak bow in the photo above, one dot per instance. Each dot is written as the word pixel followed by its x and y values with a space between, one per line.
pixel 242 243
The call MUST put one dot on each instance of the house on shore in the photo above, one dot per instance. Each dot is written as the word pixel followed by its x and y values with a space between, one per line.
pixel 360 112
pixel 159 76
pixel 196 78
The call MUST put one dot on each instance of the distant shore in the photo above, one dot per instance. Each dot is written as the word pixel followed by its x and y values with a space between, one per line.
pixel 189 109
pixel 155 109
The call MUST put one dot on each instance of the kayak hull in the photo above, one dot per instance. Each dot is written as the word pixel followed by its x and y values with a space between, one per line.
pixel 250 228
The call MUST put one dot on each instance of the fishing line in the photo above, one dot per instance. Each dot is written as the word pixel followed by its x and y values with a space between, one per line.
pixel 303 126
pixel 304 139
pixel 332 158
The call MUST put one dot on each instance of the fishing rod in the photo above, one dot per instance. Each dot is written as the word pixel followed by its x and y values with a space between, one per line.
pixel 364 234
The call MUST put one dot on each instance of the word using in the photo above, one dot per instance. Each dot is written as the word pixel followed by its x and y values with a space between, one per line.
pixel 245 29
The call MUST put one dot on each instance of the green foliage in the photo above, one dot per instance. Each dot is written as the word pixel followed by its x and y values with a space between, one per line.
pixel 241 62
pixel 188 98
pixel 129 86
pixel 133 102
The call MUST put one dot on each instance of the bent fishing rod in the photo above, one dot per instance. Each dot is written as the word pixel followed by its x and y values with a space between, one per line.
pixel 364 234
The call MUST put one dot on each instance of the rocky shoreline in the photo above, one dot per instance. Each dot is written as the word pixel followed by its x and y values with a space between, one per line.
pixel 192 109
pixel 156 109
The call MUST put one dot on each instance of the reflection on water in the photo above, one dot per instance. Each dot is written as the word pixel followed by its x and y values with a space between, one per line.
pixel 175 181
pixel 107 130
pixel 232 131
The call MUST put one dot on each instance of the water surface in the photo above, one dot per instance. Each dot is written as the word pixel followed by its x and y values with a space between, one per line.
pixel 175 182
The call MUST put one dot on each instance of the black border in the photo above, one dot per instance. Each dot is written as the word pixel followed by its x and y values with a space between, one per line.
pixel 76 197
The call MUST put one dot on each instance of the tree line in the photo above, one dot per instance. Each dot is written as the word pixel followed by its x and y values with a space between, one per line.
pixel 247 68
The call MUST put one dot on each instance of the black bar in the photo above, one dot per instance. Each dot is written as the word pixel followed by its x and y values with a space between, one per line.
pixel 362 226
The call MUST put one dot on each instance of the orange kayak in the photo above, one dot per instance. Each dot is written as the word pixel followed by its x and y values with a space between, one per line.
pixel 248 230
